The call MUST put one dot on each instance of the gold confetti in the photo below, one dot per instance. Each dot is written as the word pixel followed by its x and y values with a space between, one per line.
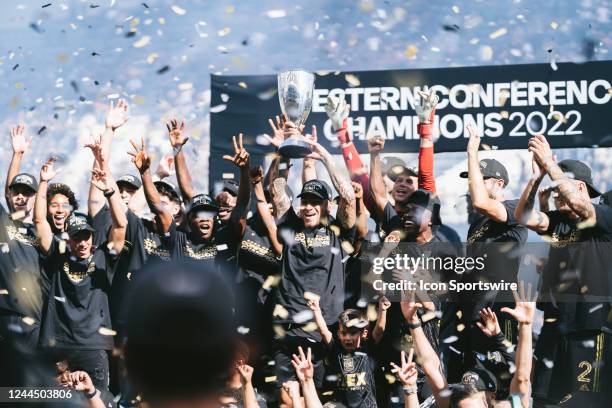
pixel 17 215
pixel 105 331
pixel 372 313
pixel 230 9
pixel 161 20
pixel 411 51
pixel 460 327
pixel 348 248
pixel 178 10
pixel 554 25
pixel 18 85
pixel 185 86
pixel 504 114
pixel 498 33
pixel 139 100
pixel 28 320
pixel 352 80
pixel 63 57
pixel 280 311
pixel 4 292
pixel 272 280
pixel 270 379
pixel 456 9
pixel 142 42
pixel 279 332
pixel 390 378
pixel 223 32
pixel 310 327
pixel 311 296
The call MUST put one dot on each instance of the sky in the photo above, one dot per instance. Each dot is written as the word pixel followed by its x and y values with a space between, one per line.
pixel 61 62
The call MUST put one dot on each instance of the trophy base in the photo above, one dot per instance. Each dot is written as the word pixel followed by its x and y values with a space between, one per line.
pixel 295 149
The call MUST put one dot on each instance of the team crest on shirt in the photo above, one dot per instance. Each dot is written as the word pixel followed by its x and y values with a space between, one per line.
pixel 348 363
pixel 16 234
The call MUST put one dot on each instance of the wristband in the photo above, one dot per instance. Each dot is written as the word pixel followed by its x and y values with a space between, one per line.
pixel 425 130
pixel 109 194
pixel 177 149
pixel 414 325
pixel 410 390
pixel 93 394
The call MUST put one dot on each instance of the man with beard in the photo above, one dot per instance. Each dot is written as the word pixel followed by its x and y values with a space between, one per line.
pixel 77 323
pixel 573 353
pixel 20 280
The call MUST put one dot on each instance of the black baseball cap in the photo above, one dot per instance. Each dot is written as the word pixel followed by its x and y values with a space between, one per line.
pixel 480 378
pixel 393 167
pixel 167 188
pixel 230 186
pixel 130 181
pixel 491 168
pixel 581 172
pixel 428 200
pixel 24 179
pixel 316 188
pixel 76 223
pixel 204 202
pixel 606 198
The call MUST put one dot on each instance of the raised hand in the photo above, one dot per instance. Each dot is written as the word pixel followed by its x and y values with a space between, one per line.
pixel 302 364
pixel 538 145
pixel 80 381
pixel 313 303
pixel 95 145
pixel 140 158
pixel 47 172
pixel 18 140
pixel 292 388
pixel 410 306
pixel 376 144
pixel 407 373
pixel 524 308
pixel 165 168
pixel 117 115
pixel 426 106
pixel 474 140
pixel 241 156
pixel 278 134
pixel 490 327
pixel 246 373
pixel 383 304
pixel 358 189
pixel 256 174
pixel 99 179
pixel 175 133
pixel 337 111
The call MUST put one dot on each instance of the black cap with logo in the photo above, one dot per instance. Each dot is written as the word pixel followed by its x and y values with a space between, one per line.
pixel 316 188
pixel 480 378
pixel 230 186
pixel 428 200
pixel 165 187
pixel 129 180
pixel 491 168
pixel 582 172
pixel 204 202
pixel 24 179
pixel 76 223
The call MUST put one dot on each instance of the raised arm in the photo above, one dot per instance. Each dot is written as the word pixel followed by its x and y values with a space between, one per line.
pixel 361 221
pixel 525 213
pixel 249 397
pixel 481 201
pixel 313 304
pixel 304 370
pixel 80 381
pixel 429 360
pixel 523 313
pixel 565 186
pixel 20 146
pixel 104 182
pixel 43 229
pixel 408 375
pixel 309 168
pixel 178 140
pixel 142 161
pixel 278 137
pixel 346 207
pixel 256 175
pixel 381 321
pixel 426 110
pixel 377 184
pixel 241 160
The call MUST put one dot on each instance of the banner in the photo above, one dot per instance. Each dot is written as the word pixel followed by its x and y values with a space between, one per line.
pixel 568 103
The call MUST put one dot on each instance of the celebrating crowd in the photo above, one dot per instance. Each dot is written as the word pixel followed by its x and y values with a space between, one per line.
pixel 250 296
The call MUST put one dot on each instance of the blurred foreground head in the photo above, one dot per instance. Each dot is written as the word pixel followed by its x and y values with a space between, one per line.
pixel 181 344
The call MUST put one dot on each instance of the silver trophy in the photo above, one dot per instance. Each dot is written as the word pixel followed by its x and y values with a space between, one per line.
pixel 295 90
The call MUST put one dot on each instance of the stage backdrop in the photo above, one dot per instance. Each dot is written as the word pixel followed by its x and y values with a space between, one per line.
pixel 569 103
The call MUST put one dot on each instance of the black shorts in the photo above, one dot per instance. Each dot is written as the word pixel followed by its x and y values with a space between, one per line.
pixel 283 356
pixel 575 368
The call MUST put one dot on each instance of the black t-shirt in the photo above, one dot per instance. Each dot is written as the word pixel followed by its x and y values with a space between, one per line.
pixel 484 229
pixel 355 374
pixel 78 307
pixel 313 260
pixel 21 283
pixel 256 259
pixel 578 274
